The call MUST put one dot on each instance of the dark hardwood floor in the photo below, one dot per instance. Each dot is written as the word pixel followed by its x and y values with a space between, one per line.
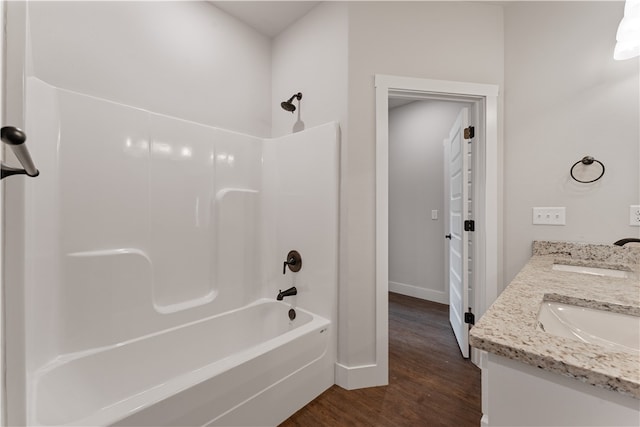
pixel 430 384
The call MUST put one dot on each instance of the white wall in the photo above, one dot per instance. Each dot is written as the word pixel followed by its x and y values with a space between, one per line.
pixel 416 187
pixel 565 97
pixel 437 40
pixel 311 57
pixel 185 59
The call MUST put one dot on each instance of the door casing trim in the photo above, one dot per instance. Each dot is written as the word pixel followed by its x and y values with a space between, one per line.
pixel 486 187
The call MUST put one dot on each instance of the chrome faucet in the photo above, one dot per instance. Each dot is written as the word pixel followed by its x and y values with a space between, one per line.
pixel 287 293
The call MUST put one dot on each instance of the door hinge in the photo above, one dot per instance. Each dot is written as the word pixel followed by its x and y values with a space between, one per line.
pixel 469 225
pixel 469 132
pixel 469 317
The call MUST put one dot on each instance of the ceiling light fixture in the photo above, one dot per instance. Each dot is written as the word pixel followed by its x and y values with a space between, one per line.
pixel 628 36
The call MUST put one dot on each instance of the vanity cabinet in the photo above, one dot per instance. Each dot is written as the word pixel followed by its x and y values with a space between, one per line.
pixel 517 394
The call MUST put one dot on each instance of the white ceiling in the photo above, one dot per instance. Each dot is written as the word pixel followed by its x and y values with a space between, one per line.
pixel 271 17
pixel 268 17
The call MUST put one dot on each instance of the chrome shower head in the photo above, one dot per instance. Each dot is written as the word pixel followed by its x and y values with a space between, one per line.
pixel 288 104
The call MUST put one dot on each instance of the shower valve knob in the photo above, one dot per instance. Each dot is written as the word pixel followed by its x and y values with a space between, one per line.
pixel 294 261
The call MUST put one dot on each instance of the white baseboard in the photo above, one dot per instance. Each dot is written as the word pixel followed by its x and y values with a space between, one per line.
pixel 351 378
pixel 417 292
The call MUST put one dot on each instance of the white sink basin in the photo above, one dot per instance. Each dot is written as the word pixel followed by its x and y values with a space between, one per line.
pixel 615 331
pixel 594 271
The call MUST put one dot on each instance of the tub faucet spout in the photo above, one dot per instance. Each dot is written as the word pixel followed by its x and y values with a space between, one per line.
pixel 287 293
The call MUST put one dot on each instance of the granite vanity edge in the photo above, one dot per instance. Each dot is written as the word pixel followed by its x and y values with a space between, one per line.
pixel 587 303
pixel 551 364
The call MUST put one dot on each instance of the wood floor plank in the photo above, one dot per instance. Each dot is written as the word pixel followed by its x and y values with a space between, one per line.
pixel 430 384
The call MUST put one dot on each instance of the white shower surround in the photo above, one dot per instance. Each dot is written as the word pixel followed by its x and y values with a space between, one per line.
pixel 144 224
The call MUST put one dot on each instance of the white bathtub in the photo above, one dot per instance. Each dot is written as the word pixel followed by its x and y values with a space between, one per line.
pixel 250 366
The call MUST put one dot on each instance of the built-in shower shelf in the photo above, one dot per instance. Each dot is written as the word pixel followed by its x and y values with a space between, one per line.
pixel 185 305
pixel 222 193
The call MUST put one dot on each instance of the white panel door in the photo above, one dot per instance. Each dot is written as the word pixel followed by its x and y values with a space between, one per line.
pixel 459 239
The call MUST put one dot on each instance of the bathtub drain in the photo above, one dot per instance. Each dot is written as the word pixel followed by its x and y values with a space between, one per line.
pixel 292 314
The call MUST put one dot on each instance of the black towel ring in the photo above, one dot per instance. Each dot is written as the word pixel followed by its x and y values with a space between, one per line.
pixel 587 160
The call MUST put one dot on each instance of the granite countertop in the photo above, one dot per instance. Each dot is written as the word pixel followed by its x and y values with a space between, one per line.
pixel 508 328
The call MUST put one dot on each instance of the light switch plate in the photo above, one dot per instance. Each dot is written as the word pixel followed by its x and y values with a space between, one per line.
pixel 634 215
pixel 549 216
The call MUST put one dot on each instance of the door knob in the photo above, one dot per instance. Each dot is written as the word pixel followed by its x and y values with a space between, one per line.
pixel 448 236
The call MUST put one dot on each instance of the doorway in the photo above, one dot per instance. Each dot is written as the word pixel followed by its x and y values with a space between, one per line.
pixel 418 219
pixel 430 168
pixel 485 252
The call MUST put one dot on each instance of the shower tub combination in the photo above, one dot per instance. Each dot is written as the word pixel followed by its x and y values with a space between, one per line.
pixel 158 306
